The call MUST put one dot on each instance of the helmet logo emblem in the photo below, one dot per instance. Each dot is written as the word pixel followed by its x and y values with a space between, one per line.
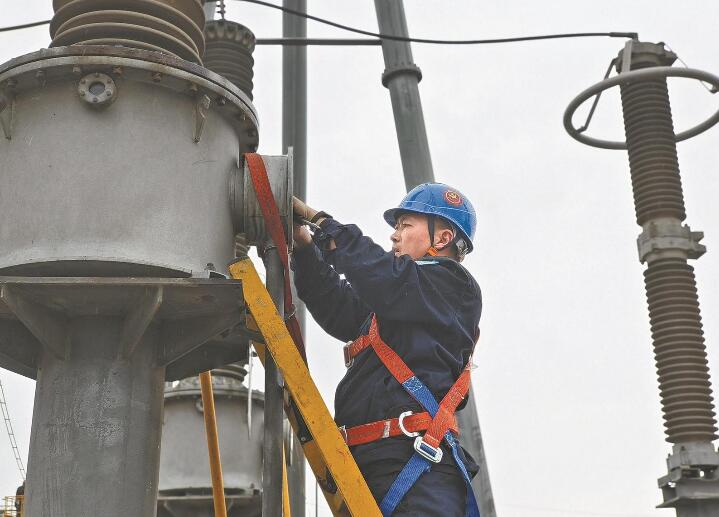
pixel 452 197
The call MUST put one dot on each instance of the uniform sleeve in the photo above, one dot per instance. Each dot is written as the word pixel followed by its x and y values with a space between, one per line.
pixel 330 299
pixel 396 288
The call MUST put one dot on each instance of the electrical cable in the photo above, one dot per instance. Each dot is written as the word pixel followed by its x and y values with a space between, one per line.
pixel 24 26
pixel 630 35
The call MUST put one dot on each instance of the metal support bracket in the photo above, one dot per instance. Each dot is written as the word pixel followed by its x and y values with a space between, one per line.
pixel 404 69
pixel 49 327
pixel 180 337
pixel 138 320
pixel 693 477
pixel 202 104
pixel 7 113
pixel 668 237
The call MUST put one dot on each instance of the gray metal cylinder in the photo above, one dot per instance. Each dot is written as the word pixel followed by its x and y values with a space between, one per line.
pixel 96 422
pixel 185 483
pixel 132 183
pixel 246 210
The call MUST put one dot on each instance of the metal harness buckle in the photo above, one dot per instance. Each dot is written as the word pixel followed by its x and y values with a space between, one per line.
pixel 433 454
pixel 343 432
pixel 400 422
pixel 346 350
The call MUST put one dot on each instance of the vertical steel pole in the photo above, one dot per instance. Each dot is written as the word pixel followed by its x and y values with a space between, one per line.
pixel 294 134
pixel 401 77
pixel 274 411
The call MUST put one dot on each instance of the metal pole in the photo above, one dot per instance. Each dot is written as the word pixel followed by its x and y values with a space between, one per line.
pixel 213 444
pixel 294 134
pixel 274 410
pixel 471 440
pixel 97 419
pixel 401 77
pixel 294 94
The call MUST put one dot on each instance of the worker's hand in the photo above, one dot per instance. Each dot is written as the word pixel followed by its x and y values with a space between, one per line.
pixel 300 208
pixel 300 236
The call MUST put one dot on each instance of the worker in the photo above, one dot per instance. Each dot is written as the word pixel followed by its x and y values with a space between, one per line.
pixel 413 313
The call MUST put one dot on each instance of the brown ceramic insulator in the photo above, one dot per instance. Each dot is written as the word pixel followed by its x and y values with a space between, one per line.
pixel 170 26
pixel 652 151
pixel 680 351
pixel 228 52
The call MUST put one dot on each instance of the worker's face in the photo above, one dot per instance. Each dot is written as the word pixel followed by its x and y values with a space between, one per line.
pixel 411 236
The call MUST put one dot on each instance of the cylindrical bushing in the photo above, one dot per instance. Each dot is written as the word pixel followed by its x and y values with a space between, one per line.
pixel 228 52
pixel 650 139
pixel 170 26
pixel 96 422
pixel 680 352
pixel 677 333
pixel 118 163
pixel 185 483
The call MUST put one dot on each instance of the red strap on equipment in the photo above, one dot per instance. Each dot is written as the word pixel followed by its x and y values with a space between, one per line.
pixel 258 174
pixel 368 433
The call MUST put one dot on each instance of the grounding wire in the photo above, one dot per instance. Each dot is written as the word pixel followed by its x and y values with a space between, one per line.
pixel 630 35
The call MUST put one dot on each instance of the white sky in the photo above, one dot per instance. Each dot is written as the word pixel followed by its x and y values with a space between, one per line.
pixel 566 384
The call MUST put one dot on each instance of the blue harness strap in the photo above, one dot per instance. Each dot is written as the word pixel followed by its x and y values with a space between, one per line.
pixel 418 464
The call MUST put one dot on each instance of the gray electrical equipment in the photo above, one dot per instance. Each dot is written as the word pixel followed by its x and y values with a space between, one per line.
pixel 185 489
pixel 121 191
pixel 665 245
pixel 170 26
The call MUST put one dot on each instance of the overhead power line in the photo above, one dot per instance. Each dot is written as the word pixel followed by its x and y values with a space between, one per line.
pixel 24 26
pixel 515 39
pixel 630 35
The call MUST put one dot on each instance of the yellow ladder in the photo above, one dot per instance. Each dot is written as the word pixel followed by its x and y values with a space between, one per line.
pixel 326 451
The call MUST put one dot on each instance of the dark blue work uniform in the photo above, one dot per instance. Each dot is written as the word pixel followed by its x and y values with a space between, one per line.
pixel 428 312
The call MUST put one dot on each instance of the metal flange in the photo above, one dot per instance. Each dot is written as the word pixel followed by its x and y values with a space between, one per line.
pixel 637 76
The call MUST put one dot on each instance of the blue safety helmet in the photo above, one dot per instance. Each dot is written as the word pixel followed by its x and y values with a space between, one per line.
pixel 439 200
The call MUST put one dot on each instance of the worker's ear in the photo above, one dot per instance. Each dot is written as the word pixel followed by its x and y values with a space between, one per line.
pixel 442 238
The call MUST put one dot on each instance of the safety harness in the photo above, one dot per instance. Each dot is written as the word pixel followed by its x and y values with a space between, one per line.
pixel 438 422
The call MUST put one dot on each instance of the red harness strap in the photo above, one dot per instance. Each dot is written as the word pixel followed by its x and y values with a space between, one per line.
pixel 266 199
pixel 443 421
pixel 353 349
pixel 407 424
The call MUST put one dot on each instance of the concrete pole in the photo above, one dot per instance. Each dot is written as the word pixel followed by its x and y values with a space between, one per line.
pixel 96 425
pixel 294 134
pixel 274 409
pixel 401 77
